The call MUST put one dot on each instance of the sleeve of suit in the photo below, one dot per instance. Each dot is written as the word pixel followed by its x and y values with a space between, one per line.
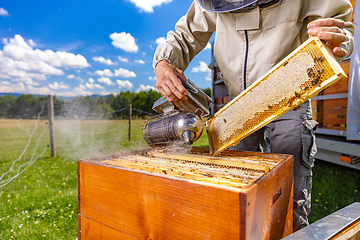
pixel 191 35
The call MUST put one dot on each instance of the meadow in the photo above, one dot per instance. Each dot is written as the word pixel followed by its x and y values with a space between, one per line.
pixel 38 193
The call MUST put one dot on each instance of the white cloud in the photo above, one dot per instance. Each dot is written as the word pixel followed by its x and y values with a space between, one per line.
pixel 208 46
pixel 72 76
pixel 57 86
pixel 106 81
pixel 124 73
pixel 140 61
pixel 123 59
pixel 152 78
pixel 103 60
pixel 17 48
pixel 31 43
pixel 26 80
pixel 105 72
pixel 124 84
pixel 79 90
pixel 89 85
pixel 203 67
pixel 98 86
pixel 160 40
pixel 91 80
pixel 148 5
pixel 19 61
pixel 3 12
pixel 92 86
pixel 142 87
pixel 20 87
pixel 124 41
pixel 117 73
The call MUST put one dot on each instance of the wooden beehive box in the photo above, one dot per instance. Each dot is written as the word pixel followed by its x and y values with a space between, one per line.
pixel 153 194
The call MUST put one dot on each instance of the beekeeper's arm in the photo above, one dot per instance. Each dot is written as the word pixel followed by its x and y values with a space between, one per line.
pixel 191 35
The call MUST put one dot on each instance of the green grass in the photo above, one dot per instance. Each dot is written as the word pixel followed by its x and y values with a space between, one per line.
pixel 334 187
pixel 41 203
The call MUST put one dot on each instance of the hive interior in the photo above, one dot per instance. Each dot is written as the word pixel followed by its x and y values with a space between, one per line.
pixel 298 77
pixel 230 168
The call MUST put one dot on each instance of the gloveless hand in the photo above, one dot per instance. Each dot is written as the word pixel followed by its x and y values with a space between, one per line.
pixel 168 82
pixel 331 31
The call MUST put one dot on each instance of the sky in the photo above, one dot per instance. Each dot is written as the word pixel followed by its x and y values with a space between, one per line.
pixel 83 47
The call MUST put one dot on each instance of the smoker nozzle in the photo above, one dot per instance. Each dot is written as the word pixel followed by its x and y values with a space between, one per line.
pixel 189 137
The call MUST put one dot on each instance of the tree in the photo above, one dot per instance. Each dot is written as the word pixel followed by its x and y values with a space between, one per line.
pixel 7 104
pixel 207 91
pixel 122 100
pixel 28 106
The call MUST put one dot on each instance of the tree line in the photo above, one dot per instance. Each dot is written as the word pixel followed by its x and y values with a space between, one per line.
pixel 28 106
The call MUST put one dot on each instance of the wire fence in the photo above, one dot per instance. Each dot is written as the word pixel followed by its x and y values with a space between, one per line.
pixel 91 135
pixel 31 161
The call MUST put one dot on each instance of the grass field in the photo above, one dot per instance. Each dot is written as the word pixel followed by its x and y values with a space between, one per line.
pixel 41 203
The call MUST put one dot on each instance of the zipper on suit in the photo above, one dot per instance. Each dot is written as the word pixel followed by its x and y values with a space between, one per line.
pixel 246 56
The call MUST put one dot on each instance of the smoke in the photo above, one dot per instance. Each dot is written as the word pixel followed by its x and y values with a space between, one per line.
pixel 83 134
pixel 179 147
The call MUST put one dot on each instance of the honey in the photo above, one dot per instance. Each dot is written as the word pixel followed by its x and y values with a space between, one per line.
pixel 298 77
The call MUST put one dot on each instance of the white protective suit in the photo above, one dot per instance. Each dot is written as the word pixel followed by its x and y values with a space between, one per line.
pixel 248 42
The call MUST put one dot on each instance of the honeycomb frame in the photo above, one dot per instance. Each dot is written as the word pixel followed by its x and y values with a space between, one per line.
pixel 240 118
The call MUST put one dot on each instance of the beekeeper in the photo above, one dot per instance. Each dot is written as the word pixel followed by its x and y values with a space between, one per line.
pixel 251 36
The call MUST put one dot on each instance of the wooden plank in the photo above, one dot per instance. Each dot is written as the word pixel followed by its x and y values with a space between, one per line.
pixel 213 160
pixel 207 175
pixel 187 167
pixel 352 15
pixel 317 108
pixel 92 230
pixel 151 207
pixel 269 204
pixel 335 111
pixel 259 156
pixel 341 86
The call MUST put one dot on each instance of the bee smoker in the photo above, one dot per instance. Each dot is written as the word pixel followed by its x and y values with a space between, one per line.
pixel 179 121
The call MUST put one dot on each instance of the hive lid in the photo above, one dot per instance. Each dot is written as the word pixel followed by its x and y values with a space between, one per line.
pixel 298 77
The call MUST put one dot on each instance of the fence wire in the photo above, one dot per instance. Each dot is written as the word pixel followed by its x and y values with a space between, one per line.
pixel 32 159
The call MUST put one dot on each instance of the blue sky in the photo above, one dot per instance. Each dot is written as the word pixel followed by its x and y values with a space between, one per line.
pixel 84 47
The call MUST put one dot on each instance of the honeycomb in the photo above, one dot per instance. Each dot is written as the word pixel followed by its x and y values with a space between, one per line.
pixel 298 77
pixel 231 168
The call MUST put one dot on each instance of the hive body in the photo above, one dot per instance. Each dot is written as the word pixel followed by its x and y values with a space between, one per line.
pixel 153 194
pixel 300 76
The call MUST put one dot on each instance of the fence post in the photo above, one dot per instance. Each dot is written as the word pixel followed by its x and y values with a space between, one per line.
pixel 51 124
pixel 130 116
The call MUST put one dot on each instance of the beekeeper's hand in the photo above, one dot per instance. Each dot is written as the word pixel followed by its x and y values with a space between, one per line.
pixel 169 82
pixel 331 31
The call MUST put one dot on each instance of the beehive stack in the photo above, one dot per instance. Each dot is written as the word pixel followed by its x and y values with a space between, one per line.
pixel 153 194
pixel 298 77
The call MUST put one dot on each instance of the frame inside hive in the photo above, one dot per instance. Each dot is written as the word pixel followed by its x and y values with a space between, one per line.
pixel 232 169
pixel 300 76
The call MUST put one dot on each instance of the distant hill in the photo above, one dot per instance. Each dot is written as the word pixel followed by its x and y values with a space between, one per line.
pixel 38 95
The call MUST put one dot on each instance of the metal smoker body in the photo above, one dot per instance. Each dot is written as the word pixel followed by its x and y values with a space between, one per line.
pixel 178 122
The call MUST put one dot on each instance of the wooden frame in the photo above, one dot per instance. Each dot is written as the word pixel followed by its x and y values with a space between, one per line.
pixel 217 143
